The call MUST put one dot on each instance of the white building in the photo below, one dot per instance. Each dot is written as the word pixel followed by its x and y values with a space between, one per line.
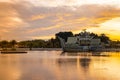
pixel 84 42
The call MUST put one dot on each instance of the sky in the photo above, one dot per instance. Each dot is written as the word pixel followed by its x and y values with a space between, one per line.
pixel 42 19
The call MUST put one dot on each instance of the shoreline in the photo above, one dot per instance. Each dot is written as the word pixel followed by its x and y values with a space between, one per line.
pixel 60 49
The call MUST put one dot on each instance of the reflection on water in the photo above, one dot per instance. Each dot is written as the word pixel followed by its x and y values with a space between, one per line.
pixel 85 62
pixel 52 65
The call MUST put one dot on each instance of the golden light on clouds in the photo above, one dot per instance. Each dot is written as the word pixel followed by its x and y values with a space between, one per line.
pixel 37 17
pixel 26 19
pixel 55 3
pixel 44 37
pixel 45 28
pixel 111 28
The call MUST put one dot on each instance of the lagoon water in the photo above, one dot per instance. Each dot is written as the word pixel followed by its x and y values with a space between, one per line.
pixel 54 65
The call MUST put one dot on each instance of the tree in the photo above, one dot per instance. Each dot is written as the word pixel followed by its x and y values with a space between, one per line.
pixel 30 45
pixel 104 38
pixel 4 44
pixel 13 43
pixel 22 44
pixel 64 35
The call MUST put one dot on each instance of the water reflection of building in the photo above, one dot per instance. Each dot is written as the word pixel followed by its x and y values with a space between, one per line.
pixel 77 61
pixel 74 65
pixel 89 67
pixel 67 61
pixel 85 62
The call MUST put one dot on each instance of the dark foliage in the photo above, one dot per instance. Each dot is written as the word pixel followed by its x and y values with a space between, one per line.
pixel 64 35
pixel 54 43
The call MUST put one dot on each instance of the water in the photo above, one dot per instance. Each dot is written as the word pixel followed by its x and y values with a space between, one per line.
pixel 54 65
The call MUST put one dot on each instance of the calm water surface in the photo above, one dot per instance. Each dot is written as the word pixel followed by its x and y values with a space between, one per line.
pixel 54 65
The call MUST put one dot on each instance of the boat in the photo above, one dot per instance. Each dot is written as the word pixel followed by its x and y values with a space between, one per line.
pixel 80 43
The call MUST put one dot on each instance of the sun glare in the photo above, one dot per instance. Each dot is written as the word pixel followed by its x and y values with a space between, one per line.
pixel 111 28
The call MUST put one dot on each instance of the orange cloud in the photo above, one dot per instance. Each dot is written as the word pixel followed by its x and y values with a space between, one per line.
pixel 110 28
pixel 22 20
pixel 9 17
pixel 45 28
pixel 44 37
pixel 38 17
pixel 90 16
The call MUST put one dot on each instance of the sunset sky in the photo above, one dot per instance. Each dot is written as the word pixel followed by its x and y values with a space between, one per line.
pixel 41 19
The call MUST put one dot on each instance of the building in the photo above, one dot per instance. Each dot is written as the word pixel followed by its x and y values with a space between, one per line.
pixel 82 42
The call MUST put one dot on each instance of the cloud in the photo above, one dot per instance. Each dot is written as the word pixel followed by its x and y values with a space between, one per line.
pixel 66 19
pixel 84 16
pixel 59 3
pixel 10 21
pixel 22 20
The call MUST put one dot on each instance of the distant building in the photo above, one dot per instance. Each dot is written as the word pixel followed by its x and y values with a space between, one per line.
pixel 83 42
pixel 72 40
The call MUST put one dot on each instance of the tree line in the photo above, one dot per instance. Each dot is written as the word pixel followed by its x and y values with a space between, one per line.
pixel 54 42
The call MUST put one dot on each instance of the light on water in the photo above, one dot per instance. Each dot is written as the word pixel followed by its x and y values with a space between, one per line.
pixel 54 65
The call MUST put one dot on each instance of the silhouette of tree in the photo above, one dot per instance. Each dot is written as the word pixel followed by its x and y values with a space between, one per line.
pixel 64 35
pixel 12 43
pixel 104 38
pixel 30 45
pixel 4 44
